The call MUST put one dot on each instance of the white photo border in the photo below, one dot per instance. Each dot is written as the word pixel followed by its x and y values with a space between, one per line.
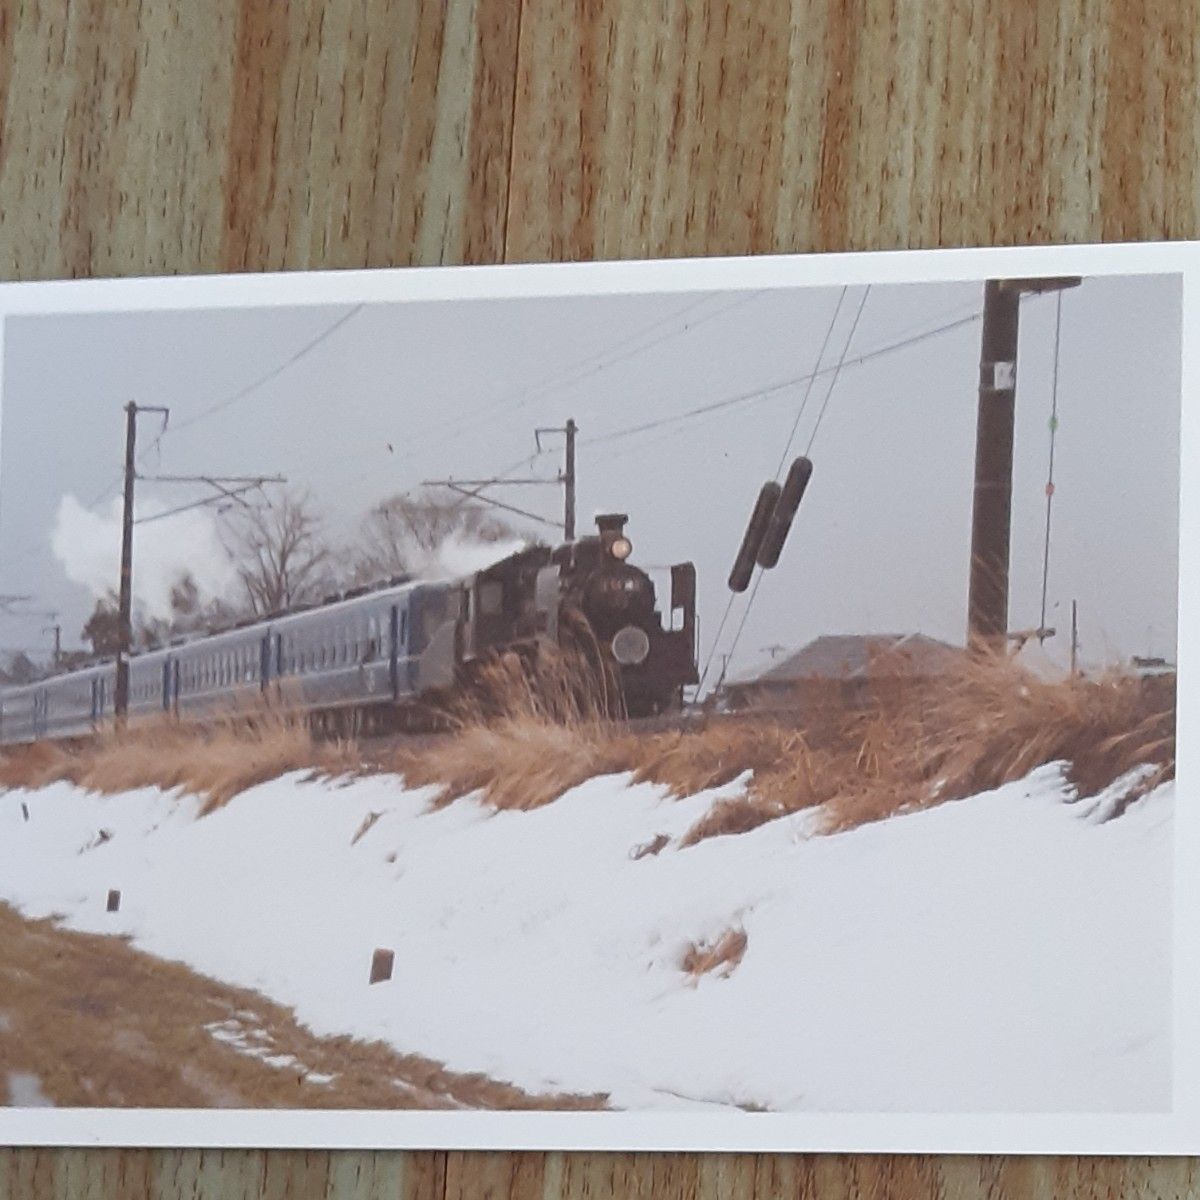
pixel 1176 1132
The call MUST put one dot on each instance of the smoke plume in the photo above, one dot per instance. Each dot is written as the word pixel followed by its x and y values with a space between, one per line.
pixel 88 545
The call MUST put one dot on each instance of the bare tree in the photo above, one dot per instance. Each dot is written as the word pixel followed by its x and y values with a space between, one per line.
pixel 398 534
pixel 103 627
pixel 280 553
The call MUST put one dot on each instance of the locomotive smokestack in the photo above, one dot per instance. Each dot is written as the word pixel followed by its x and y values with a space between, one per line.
pixel 611 523
pixel 612 535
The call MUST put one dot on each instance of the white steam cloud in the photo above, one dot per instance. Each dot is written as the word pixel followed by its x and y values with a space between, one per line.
pixel 88 545
pixel 461 554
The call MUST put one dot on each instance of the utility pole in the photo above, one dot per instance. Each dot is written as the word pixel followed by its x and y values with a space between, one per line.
pixel 226 487
pixel 569 482
pixel 1074 637
pixel 991 518
pixel 567 478
pixel 125 598
pixel 473 489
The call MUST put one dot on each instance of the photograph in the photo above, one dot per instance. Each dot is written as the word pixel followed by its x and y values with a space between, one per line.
pixel 708 693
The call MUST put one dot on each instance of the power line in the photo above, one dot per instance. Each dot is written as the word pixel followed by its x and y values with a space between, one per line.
pixel 780 385
pixel 737 637
pixel 837 371
pixel 812 376
pixel 787 449
pixel 590 365
pixel 274 373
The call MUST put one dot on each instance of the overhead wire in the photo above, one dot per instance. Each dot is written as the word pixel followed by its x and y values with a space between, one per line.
pixel 592 364
pixel 779 385
pixel 737 637
pixel 275 372
pixel 811 379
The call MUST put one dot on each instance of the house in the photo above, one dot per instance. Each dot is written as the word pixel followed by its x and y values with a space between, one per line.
pixel 840 668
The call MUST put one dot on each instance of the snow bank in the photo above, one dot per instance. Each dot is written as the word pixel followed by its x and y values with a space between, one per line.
pixel 1006 952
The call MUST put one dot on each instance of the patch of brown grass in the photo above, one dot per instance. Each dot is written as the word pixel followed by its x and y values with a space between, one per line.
pixel 985 721
pixel 233 752
pixel 990 720
pixel 719 957
pixel 527 732
pixel 100 1024
pixel 689 761
pixel 515 763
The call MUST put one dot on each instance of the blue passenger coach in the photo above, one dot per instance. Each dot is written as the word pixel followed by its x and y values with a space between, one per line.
pixel 368 653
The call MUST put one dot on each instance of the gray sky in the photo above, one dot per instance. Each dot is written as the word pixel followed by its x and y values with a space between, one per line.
pixel 881 541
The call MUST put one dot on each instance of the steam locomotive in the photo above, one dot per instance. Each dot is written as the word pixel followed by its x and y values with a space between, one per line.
pixel 371 656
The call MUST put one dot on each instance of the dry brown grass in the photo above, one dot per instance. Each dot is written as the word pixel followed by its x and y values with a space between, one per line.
pixel 528 732
pixel 234 751
pixel 720 957
pixel 986 721
pixel 900 746
pixel 532 731
pixel 103 1025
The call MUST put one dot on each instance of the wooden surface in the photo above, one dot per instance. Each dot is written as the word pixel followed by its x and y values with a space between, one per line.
pixel 173 136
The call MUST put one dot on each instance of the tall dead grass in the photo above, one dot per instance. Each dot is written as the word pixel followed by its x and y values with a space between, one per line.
pixel 234 751
pixel 534 729
pixel 527 732
pixel 985 721
pixel 899 745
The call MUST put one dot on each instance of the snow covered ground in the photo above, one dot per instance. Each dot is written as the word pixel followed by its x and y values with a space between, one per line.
pixel 1010 952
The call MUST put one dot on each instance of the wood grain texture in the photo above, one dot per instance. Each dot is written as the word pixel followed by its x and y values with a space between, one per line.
pixel 141 137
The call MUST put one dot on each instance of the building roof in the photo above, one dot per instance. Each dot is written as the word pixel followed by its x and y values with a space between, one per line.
pixel 851 656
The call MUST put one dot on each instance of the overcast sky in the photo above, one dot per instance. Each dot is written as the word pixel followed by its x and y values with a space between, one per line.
pixel 401 392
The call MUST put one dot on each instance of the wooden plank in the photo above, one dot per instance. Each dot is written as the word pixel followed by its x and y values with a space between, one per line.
pixel 684 128
pixel 251 135
pixel 148 138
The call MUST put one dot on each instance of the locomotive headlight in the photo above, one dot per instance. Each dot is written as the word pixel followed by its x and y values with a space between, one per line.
pixel 630 646
pixel 621 548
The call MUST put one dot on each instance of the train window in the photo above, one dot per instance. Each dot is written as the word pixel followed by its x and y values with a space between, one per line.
pixel 491 598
